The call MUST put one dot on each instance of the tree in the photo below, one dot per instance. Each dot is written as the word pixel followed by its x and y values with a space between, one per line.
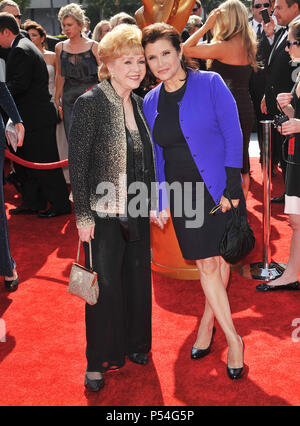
pixel 23 4
pixel 105 9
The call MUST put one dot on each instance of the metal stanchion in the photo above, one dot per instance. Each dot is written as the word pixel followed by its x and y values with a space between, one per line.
pixel 265 270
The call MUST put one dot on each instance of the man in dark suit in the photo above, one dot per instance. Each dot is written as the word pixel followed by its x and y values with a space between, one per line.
pixel 12 7
pixel 279 72
pixel 264 47
pixel 27 80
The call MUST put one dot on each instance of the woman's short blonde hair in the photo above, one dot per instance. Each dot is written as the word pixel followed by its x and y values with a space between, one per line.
pixel 122 40
pixel 72 10
pixel 234 20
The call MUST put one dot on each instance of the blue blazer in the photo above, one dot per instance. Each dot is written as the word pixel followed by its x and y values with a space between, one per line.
pixel 209 121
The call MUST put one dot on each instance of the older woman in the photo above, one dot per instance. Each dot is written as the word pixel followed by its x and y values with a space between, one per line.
pixel 110 149
pixel 194 122
pixel 290 103
pixel 76 61
pixel 232 54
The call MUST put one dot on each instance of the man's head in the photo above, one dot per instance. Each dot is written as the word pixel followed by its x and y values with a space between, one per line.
pixel 257 6
pixel 286 10
pixel 12 7
pixel 197 9
pixel 9 29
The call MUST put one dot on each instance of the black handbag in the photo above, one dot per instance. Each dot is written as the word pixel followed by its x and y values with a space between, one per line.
pixel 238 239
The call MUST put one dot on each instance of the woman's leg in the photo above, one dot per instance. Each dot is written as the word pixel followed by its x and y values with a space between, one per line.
pixel 216 295
pixel 208 318
pixel 293 267
pixel 245 184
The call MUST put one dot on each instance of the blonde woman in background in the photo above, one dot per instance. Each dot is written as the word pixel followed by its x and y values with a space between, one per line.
pixel 76 60
pixel 232 54
pixel 102 28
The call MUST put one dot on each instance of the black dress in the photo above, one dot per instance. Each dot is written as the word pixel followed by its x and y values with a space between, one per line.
pixel 195 243
pixel 237 79
pixel 80 73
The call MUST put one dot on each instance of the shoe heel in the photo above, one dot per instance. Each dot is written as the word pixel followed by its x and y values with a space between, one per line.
pixel 236 373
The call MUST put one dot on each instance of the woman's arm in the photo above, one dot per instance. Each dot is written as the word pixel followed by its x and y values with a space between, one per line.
pixel 204 50
pixel 82 136
pixel 59 79
pixel 8 104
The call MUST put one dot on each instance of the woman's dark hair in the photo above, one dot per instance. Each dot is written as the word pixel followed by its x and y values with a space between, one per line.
pixel 162 31
pixel 32 25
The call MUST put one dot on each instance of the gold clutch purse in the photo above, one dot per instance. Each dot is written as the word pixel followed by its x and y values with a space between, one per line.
pixel 83 282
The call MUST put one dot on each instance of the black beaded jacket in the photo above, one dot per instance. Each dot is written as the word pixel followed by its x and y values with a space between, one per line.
pixel 98 151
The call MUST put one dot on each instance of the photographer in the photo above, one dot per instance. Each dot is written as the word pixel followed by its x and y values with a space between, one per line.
pixel 279 74
pixel 290 104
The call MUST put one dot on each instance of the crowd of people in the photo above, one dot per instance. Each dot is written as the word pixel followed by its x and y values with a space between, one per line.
pixel 210 83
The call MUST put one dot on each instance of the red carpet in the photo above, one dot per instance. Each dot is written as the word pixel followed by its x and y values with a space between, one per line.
pixel 42 361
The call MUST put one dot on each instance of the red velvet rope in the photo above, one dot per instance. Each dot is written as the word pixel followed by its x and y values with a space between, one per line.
pixel 31 165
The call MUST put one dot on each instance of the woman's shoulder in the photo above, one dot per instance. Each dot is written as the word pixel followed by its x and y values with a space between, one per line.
pixel 203 77
pixel 152 94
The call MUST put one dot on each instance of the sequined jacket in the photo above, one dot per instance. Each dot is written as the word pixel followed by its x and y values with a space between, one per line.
pixel 98 152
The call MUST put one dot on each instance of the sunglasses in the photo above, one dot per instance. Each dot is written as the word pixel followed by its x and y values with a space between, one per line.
pixel 18 16
pixel 259 5
pixel 196 8
pixel 292 43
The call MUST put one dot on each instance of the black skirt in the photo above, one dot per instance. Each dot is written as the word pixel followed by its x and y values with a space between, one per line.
pixel 195 242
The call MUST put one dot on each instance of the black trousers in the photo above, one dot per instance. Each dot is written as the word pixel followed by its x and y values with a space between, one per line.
pixel 120 323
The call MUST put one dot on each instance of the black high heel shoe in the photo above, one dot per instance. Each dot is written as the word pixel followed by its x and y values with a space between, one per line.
pixel 11 285
pixel 93 385
pixel 201 353
pixel 139 358
pixel 236 373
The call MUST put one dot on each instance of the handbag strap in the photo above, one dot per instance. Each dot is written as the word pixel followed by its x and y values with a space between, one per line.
pixel 234 210
pixel 90 253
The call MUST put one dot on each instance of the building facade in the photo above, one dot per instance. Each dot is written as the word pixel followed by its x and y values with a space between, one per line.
pixel 45 13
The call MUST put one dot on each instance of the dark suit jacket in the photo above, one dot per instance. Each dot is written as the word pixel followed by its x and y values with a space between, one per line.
pixel 27 79
pixel 278 73
pixel 258 78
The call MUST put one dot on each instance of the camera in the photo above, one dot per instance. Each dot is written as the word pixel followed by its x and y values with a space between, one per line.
pixel 279 119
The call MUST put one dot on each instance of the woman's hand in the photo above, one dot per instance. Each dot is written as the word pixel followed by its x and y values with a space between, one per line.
pixel 161 219
pixel 21 133
pixel 284 99
pixel 57 100
pixel 225 204
pixel 263 106
pixel 86 233
pixel 290 127
pixel 211 20
pixel 269 27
